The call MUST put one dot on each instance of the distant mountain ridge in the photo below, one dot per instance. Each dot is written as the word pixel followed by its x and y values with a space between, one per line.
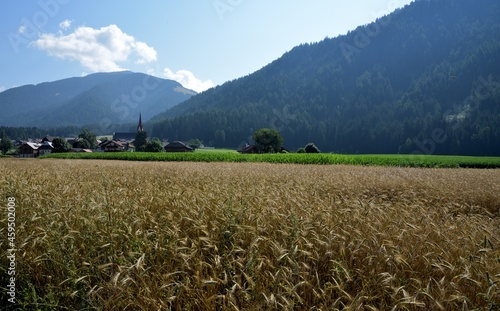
pixel 96 99
pixel 382 88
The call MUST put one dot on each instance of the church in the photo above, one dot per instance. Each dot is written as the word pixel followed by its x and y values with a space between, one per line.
pixel 128 136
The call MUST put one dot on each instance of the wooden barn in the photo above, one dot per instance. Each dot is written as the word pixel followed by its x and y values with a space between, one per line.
pixel 178 146
pixel 28 150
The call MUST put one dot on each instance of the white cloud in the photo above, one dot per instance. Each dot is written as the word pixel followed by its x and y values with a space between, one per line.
pixel 65 24
pixel 21 29
pixel 148 54
pixel 97 49
pixel 2 88
pixel 188 80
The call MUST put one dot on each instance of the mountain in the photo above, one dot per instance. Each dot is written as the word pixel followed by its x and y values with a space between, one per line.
pixel 101 98
pixel 423 79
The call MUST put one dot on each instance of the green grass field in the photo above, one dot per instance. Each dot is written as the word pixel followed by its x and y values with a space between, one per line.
pixel 208 155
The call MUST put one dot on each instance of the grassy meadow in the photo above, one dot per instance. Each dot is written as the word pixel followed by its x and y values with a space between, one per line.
pixel 125 235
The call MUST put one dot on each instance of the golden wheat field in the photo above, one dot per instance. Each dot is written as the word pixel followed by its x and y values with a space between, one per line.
pixel 111 235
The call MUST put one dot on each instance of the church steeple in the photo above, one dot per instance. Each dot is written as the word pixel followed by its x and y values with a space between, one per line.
pixel 139 126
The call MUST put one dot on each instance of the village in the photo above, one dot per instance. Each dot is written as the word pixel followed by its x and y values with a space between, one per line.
pixel 118 142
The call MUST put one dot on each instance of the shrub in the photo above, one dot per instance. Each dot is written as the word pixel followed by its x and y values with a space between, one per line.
pixel 154 145
pixel 311 148
pixel 60 145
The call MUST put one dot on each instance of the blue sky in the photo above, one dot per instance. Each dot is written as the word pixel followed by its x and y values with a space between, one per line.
pixel 200 43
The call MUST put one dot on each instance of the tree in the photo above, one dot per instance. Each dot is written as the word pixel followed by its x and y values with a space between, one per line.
pixel 195 143
pixel 89 137
pixel 311 148
pixel 267 140
pixel 141 139
pixel 60 145
pixel 6 144
pixel 153 145
pixel 82 143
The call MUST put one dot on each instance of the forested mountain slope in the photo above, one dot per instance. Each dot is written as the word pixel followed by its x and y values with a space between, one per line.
pixel 110 98
pixel 424 79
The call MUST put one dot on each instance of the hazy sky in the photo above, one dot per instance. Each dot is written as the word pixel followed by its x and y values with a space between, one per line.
pixel 200 43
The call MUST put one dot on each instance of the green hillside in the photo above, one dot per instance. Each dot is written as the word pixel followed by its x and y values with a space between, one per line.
pixel 423 79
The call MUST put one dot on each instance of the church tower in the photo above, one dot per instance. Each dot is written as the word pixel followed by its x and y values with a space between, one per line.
pixel 139 126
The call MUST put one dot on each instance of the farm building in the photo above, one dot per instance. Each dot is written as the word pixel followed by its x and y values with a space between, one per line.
pixel 124 136
pixel 178 146
pixel 48 139
pixel 116 146
pixel 45 148
pixel 249 149
pixel 28 150
pixel 112 146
